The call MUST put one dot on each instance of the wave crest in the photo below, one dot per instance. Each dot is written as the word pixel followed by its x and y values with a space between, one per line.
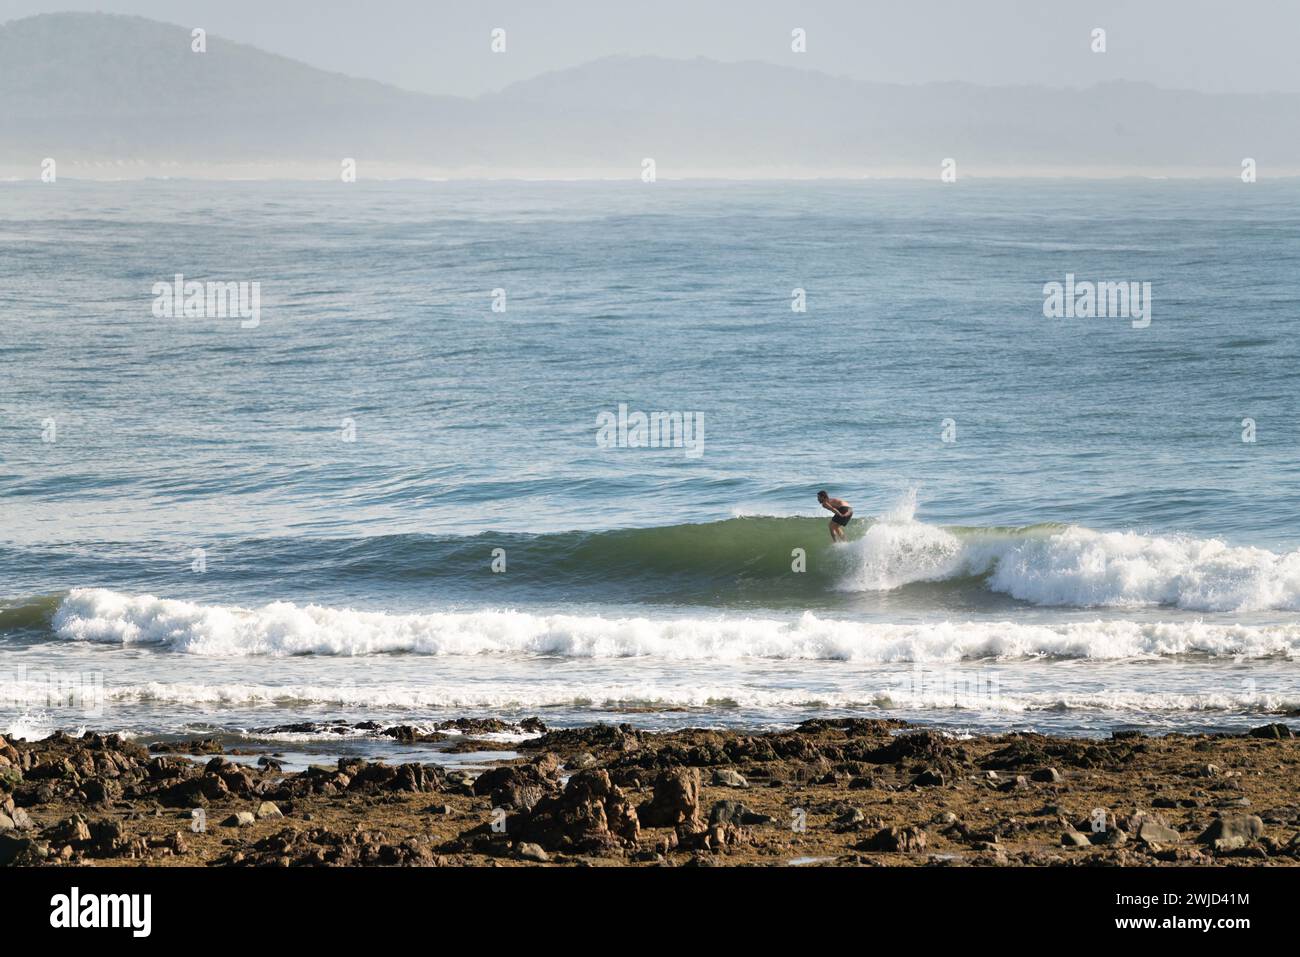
pixel 1078 567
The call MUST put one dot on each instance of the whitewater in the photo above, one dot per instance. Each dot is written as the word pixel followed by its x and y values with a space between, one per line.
pixel 283 628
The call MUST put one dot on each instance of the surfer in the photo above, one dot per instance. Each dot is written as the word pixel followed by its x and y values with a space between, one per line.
pixel 843 514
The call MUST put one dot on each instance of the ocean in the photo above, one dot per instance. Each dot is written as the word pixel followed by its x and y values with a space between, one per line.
pixel 395 494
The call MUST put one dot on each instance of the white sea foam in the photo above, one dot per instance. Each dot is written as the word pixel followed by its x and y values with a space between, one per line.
pixel 891 692
pixel 282 629
pixel 34 726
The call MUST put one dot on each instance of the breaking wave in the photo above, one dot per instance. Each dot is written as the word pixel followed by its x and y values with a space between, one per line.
pixel 284 628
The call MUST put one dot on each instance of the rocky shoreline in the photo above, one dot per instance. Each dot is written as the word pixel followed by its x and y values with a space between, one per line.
pixel 829 792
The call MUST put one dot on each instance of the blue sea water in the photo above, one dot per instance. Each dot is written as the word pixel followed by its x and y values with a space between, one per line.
pixel 221 527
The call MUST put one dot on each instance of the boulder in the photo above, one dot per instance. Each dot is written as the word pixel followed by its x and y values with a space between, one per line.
pixel 417 778
pixel 1047 775
pixel 1272 731
pixel 1150 831
pixel 240 819
pixel 109 836
pixel 929 778
pixel 905 840
pixel 21 851
pixel 590 814
pixel 1112 838
pixel 676 801
pixel 532 852
pixel 268 810
pixel 98 791
pixel 519 786
pixel 849 820
pixel 733 812
pixel 70 831
pixel 461 781
pixel 1075 839
pixel 1232 832
pixel 725 777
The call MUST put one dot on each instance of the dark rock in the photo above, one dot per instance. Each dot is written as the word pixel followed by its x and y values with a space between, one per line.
pixel 193 746
pixel 906 840
pixel 108 836
pixel 417 778
pixel 596 738
pixel 929 746
pixel 322 846
pixel 519 786
pixel 99 791
pixel 406 734
pixel 1047 775
pixel 851 727
pixel 849 820
pixel 929 778
pixel 733 812
pixel 21 851
pixel 676 800
pixel 1180 855
pixel 1281 815
pixel 72 830
pixel 1275 731
pixel 1111 838
pixel 591 813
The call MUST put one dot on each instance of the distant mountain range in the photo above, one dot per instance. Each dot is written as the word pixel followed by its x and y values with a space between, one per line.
pixel 126 93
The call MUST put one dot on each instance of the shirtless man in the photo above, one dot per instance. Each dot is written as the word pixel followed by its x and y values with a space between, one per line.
pixel 843 514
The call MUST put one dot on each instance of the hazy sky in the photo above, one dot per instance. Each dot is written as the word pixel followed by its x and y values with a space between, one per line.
pixel 442 46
